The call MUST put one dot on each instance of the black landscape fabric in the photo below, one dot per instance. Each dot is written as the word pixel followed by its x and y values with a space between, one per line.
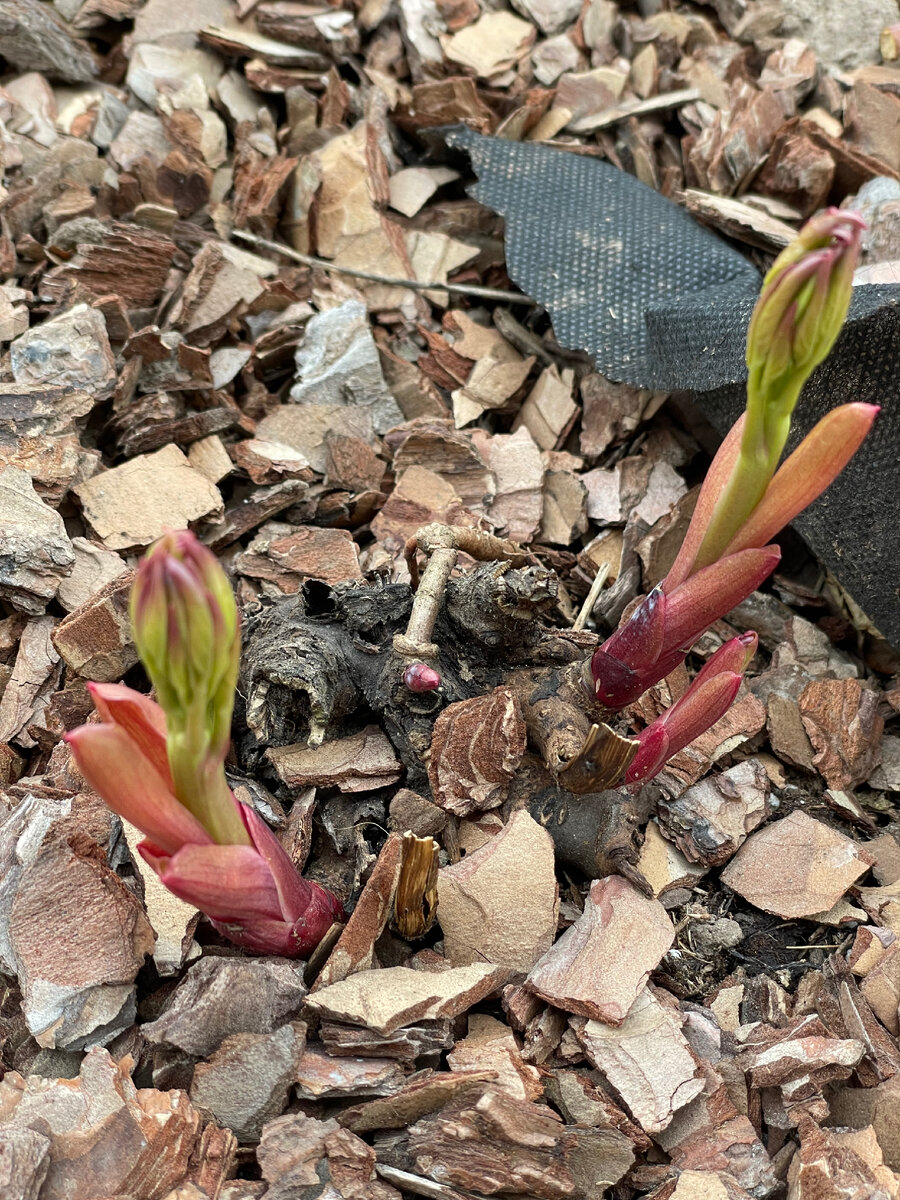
pixel 660 302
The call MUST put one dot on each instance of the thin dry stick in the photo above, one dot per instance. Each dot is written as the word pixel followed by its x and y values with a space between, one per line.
pixel 460 289
pixel 591 599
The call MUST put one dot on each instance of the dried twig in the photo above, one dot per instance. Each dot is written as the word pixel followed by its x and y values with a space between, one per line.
pixel 460 289
pixel 442 543
pixel 591 599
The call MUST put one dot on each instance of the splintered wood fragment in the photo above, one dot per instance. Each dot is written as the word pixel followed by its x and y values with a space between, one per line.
pixel 306 428
pixel 493 911
pixel 600 763
pixel 94 568
pixel 549 411
pixel 711 1134
pixel 34 678
pixel 601 963
pixel 796 866
pixel 362 762
pixel 384 1000
pixel 881 987
pixel 322 1076
pixel 702 1185
pixel 518 504
pixel 827 1164
pixel 355 948
pixel 416 892
pixel 491 383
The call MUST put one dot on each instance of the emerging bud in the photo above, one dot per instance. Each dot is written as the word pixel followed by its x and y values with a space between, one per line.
pixel 185 625
pixel 662 629
pixel 186 631
pixel 421 678
pixel 707 700
pixel 802 305
pixel 248 886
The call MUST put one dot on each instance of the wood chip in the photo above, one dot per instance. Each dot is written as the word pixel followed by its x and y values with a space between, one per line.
pixel 491 1046
pixel 81 990
pixel 499 1144
pixel 415 1100
pixel 298 1152
pixel 35 550
pixel 103 1135
pixel 420 497
pixel 95 641
pixel 491 383
pixel 476 747
pixel 711 820
pixel 490 46
pixel 387 999
pixel 663 866
pixel 602 962
pixel 841 718
pixel 321 1076
pixel 338 363
pixel 646 1059
pixel 549 411
pixel 355 948
pixel 796 866
pixel 287 555
pixel 306 429
pixel 247 1080
pixel 133 505
pixel 361 762
pixel 32 681
pixel 492 911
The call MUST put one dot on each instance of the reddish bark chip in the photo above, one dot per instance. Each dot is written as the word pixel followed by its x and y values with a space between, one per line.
pixel 476 747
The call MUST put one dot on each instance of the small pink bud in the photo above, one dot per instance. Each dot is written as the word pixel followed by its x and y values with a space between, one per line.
pixel 421 678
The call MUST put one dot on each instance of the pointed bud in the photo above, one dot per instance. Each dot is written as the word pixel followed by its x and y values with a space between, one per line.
pixel 619 666
pixel 803 302
pixel 713 591
pixel 707 700
pixel 802 305
pixel 186 631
